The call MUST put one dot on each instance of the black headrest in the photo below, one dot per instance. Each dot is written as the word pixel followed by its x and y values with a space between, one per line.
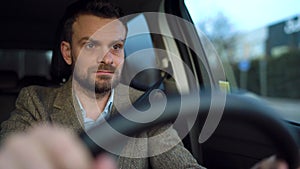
pixel 8 79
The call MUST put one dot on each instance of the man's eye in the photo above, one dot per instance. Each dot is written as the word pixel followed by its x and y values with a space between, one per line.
pixel 89 45
pixel 117 46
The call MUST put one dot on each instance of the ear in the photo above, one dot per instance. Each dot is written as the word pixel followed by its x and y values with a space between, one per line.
pixel 65 49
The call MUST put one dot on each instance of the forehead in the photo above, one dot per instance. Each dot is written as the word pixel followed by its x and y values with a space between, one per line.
pixel 98 28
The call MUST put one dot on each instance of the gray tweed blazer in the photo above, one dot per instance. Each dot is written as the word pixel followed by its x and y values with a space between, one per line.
pixel 37 104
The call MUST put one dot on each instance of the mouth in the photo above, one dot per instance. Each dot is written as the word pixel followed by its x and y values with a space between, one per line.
pixel 104 72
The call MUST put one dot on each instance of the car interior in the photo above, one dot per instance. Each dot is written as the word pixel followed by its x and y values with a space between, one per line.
pixel 248 131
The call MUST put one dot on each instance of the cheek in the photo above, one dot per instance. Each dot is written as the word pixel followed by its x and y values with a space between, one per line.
pixel 82 64
pixel 82 58
pixel 119 61
pixel 84 67
pixel 85 61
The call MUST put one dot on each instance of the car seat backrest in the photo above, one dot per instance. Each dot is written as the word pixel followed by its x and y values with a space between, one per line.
pixel 34 80
pixel 8 79
pixel 8 93
pixel 139 79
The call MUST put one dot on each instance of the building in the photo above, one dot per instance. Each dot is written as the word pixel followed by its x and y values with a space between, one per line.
pixel 283 36
pixel 270 41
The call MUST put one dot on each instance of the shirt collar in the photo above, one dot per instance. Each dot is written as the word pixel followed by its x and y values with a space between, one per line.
pixel 88 123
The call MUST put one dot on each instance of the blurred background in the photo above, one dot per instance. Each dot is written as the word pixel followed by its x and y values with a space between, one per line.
pixel 259 45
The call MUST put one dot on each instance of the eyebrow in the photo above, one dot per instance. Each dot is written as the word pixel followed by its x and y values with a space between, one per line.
pixel 116 41
pixel 97 42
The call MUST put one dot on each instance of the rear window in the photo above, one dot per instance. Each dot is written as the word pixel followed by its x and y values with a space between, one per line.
pixel 26 62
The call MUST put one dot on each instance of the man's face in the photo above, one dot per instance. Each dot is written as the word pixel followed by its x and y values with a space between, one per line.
pixel 97 52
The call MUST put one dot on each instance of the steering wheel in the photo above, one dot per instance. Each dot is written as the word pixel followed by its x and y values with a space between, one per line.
pixel 237 107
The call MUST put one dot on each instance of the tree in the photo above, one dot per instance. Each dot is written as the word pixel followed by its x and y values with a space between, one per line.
pixel 221 33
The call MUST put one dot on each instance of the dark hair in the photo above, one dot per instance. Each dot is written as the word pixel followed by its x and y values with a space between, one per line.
pixel 101 8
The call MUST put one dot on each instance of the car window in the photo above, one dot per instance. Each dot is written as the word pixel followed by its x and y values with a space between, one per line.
pixel 259 45
pixel 138 36
pixel 29 66
pixel 26 62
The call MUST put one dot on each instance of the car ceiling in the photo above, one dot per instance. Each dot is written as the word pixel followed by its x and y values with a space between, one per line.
pixel 31 24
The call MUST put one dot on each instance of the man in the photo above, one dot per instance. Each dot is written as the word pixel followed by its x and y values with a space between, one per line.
pixel 92 45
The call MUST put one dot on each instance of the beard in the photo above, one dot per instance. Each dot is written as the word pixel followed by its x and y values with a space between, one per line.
pixel 100 84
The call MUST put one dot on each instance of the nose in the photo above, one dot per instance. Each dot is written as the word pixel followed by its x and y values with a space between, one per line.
pixel 106 59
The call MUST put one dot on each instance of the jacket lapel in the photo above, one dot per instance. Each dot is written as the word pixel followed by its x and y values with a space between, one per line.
pixel 124 96
pixel 65 111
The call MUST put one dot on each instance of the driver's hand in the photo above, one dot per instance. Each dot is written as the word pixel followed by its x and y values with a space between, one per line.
pixel 271 163
pixel 49 147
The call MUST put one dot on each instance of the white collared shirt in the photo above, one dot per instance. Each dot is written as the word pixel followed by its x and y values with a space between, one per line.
pixel 88 122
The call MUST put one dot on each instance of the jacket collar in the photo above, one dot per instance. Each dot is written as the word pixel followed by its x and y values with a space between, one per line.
pixel 66 110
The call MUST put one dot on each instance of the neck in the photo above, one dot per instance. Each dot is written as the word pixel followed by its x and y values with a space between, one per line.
pixel 93 103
